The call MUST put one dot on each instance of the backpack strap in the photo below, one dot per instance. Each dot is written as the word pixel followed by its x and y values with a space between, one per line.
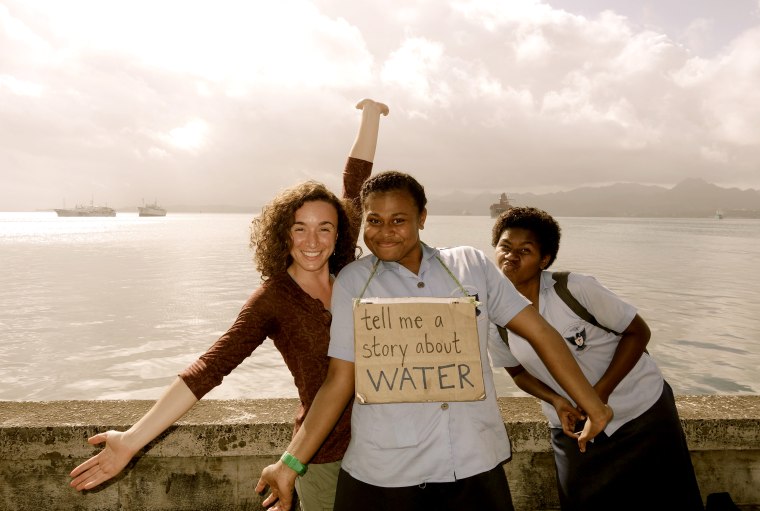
pixel 564 293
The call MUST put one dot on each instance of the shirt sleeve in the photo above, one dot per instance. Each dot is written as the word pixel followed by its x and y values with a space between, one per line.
pixel 342 326
pixel 247 333
pixel 355 174
pixel 607 307
pixel 498 349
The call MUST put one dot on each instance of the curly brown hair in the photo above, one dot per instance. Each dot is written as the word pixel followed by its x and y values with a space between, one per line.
pixel 270 231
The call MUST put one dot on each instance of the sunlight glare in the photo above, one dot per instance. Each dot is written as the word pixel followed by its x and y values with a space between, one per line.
pixel 189 137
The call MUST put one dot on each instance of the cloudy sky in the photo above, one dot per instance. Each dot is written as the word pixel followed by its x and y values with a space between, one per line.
pixel 226 102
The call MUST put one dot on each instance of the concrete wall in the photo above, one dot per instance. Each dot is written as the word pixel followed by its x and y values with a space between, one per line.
pixel 213 457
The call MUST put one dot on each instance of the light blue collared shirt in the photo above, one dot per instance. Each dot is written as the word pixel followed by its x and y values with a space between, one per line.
pixel 405 444
pixel 635 393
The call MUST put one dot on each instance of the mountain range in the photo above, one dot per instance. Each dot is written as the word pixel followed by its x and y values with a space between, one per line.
pixel 691 198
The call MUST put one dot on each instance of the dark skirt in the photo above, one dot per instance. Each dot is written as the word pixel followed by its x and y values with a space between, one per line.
pixel 488 490
pixel 645 465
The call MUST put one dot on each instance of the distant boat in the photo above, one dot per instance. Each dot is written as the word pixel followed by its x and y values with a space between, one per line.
pixel 90 210
pixel 151 210
pixel 497 208
pixel 718 214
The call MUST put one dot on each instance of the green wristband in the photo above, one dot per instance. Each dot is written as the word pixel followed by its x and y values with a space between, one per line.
pixel 292 462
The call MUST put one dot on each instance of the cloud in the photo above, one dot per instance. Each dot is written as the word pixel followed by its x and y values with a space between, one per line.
pixel 189 136
pixel 200 103
pixel 20 87
pixel 414 68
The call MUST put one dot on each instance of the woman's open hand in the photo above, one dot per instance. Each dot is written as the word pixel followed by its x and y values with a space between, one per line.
pixel 104 465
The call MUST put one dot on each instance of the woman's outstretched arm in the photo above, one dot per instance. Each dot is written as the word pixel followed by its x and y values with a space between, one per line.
pixel 122 446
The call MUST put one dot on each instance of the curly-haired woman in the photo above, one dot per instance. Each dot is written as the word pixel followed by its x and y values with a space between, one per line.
pixel 302 238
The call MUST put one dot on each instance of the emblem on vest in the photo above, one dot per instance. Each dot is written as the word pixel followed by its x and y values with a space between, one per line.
pixel 577 337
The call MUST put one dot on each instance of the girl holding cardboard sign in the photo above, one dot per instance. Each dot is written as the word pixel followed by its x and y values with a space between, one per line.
pixel 422 455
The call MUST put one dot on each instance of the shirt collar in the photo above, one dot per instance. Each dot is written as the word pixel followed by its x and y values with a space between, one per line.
pixel 547 282
pixel 428 253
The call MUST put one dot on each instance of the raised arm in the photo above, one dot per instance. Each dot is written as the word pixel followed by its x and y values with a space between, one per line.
pixel 365 143
pixel 557 358
pixel 362 153
pixel 122 446
pixel 328 405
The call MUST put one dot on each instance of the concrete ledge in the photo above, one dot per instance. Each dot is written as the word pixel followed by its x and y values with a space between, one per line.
pixel 212 458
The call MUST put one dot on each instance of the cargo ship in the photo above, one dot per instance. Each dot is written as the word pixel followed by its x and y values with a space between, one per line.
pixel 90 210
pixel 497 208
pixel 151 210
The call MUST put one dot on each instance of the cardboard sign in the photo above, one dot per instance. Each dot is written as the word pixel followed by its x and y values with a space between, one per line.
pixel 411 350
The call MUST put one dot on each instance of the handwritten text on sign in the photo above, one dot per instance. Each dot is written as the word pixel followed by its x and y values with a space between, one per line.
pixel 417 350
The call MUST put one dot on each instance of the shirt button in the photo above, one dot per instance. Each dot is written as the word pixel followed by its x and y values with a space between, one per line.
pixel 420 284
pixel 444 406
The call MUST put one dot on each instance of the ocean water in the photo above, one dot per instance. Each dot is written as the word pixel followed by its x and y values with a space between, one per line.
pixel 114 308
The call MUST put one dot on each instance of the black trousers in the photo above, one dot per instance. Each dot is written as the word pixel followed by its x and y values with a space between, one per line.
pixel 488 491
